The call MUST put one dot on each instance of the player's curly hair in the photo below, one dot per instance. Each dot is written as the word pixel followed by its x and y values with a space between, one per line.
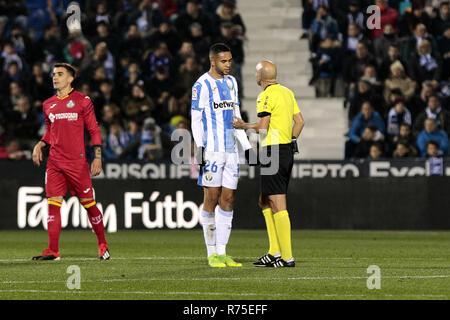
pixel 66 66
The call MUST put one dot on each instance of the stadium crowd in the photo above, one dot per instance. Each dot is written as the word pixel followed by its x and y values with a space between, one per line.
pixel 136 59
pixel 395 79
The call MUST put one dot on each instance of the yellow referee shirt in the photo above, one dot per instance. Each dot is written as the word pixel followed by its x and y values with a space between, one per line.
pixel 278 102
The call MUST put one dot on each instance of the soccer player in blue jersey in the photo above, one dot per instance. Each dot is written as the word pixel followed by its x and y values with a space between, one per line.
pixel 214 104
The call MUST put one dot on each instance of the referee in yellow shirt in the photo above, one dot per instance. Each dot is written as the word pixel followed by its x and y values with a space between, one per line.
pixel 279 114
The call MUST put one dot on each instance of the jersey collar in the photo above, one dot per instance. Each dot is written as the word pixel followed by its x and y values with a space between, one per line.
pixel 68 94
pixel 272 84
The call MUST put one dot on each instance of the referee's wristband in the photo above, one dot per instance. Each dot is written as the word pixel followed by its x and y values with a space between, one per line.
pixel 294 144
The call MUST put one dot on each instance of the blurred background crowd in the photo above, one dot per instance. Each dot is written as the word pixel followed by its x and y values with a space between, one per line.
pixel 395 79
pixel 137 60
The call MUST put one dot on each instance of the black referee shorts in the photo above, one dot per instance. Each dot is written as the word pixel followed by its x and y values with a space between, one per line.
pixel 278 182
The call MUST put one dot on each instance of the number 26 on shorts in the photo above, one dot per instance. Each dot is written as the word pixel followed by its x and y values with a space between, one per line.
pixel 213 166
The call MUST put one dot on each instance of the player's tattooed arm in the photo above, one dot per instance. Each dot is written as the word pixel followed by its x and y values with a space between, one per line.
pixel 96 166
pixel 98 152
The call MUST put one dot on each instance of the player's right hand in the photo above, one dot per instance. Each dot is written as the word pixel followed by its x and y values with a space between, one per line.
pixel 37 155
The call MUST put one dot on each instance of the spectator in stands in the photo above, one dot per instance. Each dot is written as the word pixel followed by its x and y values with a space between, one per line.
pixel 102 14
pixel 412 43
pixel 419 102
pixel 169 8
pixel 132 45
pixel 133 76
pixel 355 65
pixel 326 66
pixel 441 20
pixel 22 43
pixel 366 117
pixel 354 15
pixel 398 115
pixel 200 45
pixel 110 115
pixel 186 51
pixel 138 102
pixel 431 132
pixel 210 6
pixel 364 92
pixel 105 96
pixel 237 48
pixel 387 16
pixel 403 150
pixel 411 19
pixel 100 57
pixel 24 122
pixel 15 93
pixel 147 16
pixel 370 75
pixel 354 35
pixel 159 57
pixel 13 74
pixel 11 151
pixel 103 35
pixel 160 84
pixel 227 13
pixel 151 145
pixel 433 150
pixel 369 136
pixel 434 111
pixel 398 80
pixel 40 85
pixel 77 48
pixel 425 65
pixel 166 33
pixel 49 46
pixel 322 26
pixel 376 151
pixel 134 140
pixel 384 68
pixel 116 141
pixel 188 73
pixel 308 16
pixel 193 14
pixel 444 49
pixel 382 44
pixel 9 55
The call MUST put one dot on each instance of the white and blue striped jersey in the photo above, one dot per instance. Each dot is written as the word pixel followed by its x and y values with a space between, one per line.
pixel 214 103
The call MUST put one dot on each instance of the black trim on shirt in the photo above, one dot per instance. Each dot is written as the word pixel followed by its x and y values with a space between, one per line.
pixel 263 114
pixel 270 85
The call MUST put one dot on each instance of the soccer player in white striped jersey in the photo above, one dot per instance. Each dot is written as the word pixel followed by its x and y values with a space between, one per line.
pixel 214 103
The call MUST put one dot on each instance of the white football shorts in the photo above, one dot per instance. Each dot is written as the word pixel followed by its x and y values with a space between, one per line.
pixel 221 170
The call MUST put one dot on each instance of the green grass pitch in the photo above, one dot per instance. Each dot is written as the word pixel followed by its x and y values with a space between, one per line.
pixel 172 265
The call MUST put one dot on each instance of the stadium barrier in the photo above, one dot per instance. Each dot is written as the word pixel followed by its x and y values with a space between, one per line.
pixel 382 195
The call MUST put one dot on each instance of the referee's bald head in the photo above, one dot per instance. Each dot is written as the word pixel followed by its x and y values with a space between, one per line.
pixel 266 72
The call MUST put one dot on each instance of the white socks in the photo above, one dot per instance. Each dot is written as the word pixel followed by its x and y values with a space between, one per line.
pixel 223 224
pixel 209 231
pixel 216 230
